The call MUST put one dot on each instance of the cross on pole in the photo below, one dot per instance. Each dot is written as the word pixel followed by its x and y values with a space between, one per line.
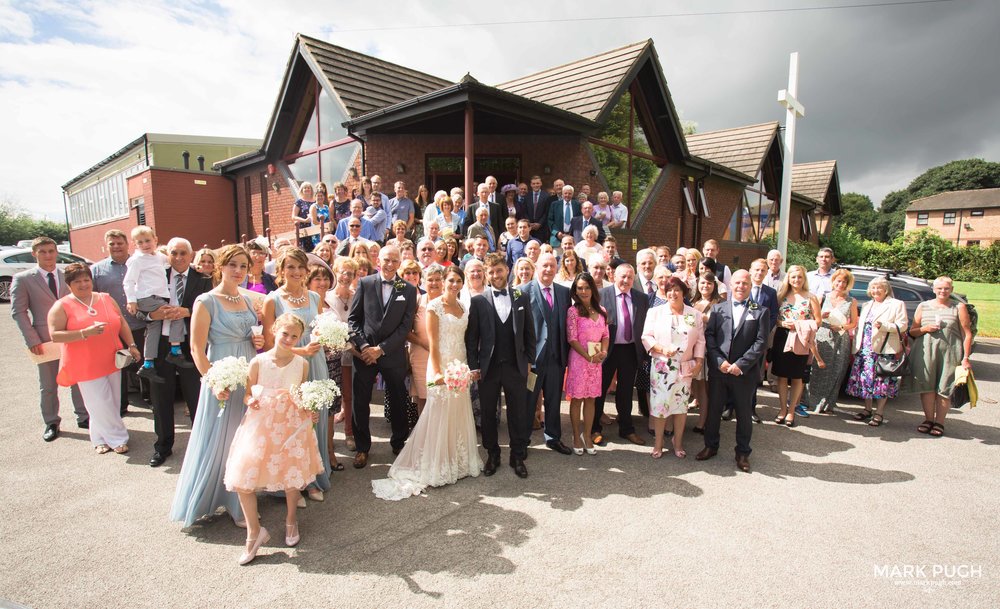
pixel 794 109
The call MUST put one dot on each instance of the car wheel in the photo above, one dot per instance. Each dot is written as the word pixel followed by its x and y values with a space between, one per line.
pixel 5 283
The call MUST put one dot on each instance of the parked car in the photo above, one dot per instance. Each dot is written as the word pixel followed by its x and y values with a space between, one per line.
pixel 911 290
pixel 14 261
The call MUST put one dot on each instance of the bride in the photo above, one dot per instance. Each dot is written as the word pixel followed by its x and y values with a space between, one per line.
pixel 442 447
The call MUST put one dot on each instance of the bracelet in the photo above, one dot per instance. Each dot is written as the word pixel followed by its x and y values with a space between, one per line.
pixel 82 336
pixel 133 346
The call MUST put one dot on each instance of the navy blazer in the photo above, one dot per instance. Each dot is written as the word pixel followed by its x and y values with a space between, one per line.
pixel 745 347
pixel 640 306
pixel 769 300
pixel 538 214
pixel 550 325
pixel 577 227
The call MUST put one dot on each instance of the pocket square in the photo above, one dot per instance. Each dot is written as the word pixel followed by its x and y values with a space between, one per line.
pixel 400 297
pixel 520 308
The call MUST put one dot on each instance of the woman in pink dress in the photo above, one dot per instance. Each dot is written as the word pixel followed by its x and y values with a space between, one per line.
pixel 434 283
pixel 275 448
pixel 587 333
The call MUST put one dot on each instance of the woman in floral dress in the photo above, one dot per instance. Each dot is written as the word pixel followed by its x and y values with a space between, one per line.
pixel 795 303
pixel 674 336
pixel 587 334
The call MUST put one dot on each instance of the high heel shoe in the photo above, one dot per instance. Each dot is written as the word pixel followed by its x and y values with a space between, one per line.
pixel 302 502
pixel 577 451
pixel 292 536
pixel 248 555
pixel 591 450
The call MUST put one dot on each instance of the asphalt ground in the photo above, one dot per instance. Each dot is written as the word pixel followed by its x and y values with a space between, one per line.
pixel 835 514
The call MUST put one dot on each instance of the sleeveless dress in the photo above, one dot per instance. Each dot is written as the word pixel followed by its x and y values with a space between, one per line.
pixel 200 489
pixel 787 364
pixel 583 379
pixel 322 214
pixel 442 447
pixel 669 392
pixel 265 455
pixel 835 349
pixel 317 371
pixel 935 356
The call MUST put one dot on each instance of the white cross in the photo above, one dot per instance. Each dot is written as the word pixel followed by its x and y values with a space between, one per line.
pixel 794 109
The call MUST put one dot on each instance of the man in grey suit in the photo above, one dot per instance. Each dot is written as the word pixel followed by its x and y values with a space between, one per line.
pixel 500 344
pixel 735 340
pixel 549 305
pixel 32 294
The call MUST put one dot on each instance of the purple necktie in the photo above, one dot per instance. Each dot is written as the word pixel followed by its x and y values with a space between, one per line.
pixel 626 319
pixel 548 296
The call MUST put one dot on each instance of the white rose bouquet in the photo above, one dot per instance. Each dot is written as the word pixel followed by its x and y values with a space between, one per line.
pixel 314 396
pixel 227 374
pixel 330 332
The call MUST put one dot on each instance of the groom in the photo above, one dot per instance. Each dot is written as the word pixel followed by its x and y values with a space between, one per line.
pixel 381 316
pixel 499 343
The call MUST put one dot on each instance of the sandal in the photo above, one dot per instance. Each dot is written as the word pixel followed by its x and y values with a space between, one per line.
pixel 863 416
pixel 779 420
pixel 656 454
pixel 700 430
pixel 680 454
pixel 337 467
pixel 102 449
pixel 925 427
pixel 790 423
pixel 121 450
pixel 937 430
pixel 876 421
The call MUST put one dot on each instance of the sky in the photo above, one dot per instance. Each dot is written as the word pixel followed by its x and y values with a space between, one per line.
pixel 889 90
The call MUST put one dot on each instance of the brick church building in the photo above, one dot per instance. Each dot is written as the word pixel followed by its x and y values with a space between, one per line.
pixel 607 121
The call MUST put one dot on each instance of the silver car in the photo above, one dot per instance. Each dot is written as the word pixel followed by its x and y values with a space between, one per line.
pixel 13 261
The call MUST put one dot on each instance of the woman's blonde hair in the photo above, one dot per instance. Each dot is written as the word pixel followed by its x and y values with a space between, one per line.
pixel 847 275
pixel 787 287
pixel 288 319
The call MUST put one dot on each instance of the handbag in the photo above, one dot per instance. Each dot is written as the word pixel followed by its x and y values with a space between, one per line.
pixel 887 365
pixel 123 358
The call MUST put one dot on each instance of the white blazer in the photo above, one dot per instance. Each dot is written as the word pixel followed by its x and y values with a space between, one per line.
pixel 892 313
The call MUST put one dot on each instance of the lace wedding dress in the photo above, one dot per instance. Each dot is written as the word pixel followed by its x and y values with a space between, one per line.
pixel 442 447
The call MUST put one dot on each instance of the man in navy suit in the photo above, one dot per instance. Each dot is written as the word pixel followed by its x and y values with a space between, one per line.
pixel 561 214
pixel 500 344
pixel 767 297
pixel 586 218
pixel 626 307
pixel 549 305
pixel 496 214
pixel 736 338
pixel 381 316
pixel 536 208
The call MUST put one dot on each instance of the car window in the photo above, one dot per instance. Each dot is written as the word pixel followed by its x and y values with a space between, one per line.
pixel 65 258
pixel 20 258
pixel 906 295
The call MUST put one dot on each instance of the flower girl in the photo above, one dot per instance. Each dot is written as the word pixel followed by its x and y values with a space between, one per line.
pixel 274 448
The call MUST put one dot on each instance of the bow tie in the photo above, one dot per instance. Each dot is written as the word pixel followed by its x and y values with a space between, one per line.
pixel 499 292
pixel 739 303
pixel 387 282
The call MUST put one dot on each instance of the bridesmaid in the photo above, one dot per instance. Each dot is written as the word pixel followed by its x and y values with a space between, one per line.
pixel 320 280
pixel 221 325
pixel 586 324
pixel 674 336
pixel 293 296
pixel 434 283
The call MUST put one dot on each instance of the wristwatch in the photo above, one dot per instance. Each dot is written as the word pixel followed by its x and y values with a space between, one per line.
pixel 132 346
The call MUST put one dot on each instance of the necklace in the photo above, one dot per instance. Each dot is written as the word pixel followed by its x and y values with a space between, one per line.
pixel 90 307
pixel 296 300
pixel 233 299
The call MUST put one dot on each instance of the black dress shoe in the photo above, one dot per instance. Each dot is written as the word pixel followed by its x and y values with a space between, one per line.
pixel 396 451
pixel 51 432
pixel 755 418
pixel 158 458
pixel 491 465
pixel 83 424
pixel 150 375
pixel 520 469
pixel 555 445
pixel 727 414
pixel 179 360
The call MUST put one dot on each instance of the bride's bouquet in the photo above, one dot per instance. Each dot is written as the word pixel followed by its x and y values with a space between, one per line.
pixel 227 374
pixel 330 332
pixel 314 396
pixel 456 377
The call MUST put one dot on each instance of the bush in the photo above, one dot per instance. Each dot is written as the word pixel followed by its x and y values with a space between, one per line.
pixel 803 254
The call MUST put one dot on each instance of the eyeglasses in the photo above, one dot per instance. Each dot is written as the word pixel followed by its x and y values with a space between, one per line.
pixel 353 226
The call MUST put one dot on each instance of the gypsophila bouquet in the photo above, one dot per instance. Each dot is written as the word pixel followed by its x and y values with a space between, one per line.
pixel 456 377
pixel 227 374
pixel 330 332
pixel 314 396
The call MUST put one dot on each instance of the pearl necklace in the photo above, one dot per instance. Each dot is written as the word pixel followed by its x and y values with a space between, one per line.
pixel 297 300
pixel 90 307
pixel 233 299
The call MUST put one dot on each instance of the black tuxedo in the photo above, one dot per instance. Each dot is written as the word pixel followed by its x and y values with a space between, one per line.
pixel 498 213
pixel 551 352
pixel 385 326
pixel 745 347
pixel 163 394
pixel 502 350
pixel 538 213
pixel 623 359
pixel 577 226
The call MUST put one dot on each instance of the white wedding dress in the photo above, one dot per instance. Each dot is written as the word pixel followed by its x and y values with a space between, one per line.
pixel 442 447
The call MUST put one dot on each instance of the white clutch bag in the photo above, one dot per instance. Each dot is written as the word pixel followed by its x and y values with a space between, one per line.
pixel 123 358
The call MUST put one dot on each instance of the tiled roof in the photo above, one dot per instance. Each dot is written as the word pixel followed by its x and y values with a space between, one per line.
pixel 958 199
pixel 365 83
pixel 742 148
pixel 813 179
pixel 585 86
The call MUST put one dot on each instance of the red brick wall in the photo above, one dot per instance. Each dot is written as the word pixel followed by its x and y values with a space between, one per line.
pixel 89 240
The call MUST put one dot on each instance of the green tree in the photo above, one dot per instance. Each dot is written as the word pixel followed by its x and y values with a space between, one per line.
pixel 858 212
pixel 968 174
pixel 16 224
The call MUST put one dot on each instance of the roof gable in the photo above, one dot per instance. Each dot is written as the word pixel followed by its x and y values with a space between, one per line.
pixel 958 199
pixel 742 148
pixel 818 181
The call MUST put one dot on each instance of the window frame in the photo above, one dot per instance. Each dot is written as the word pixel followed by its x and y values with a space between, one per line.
pixel 923 218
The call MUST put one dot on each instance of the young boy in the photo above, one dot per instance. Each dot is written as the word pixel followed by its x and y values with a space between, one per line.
pixel 146 290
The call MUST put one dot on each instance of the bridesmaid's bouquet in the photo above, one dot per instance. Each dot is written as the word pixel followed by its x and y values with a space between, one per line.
pixel 314 396
pixel 456 377
pixel 227 374
pixel 330 332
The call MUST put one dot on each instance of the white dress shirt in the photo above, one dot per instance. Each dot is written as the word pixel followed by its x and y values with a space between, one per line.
pixel 145 275
pixel 502 303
